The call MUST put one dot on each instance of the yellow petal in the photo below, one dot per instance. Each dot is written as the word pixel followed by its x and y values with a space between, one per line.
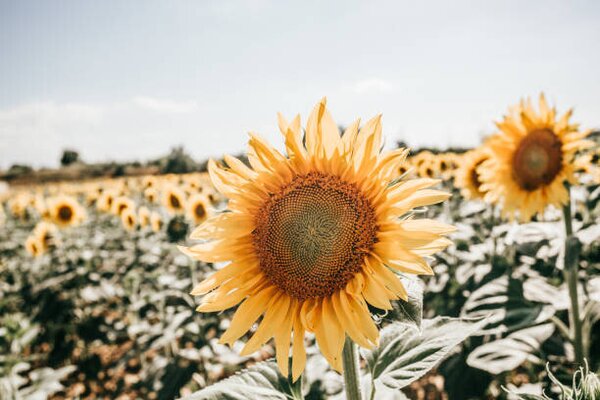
pixel 298 350
pixel 283 336
pixel 427 225
pixel 219 250
pixel 347 320
pixel 247 313
pixel 224 225
pixel 349 137
pixel 375 294
pixel 274 316
pixel 322 134
pixel 229 271
pixel 240 168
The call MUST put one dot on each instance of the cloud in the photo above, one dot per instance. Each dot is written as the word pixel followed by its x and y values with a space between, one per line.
pixel 28 133
pixel 48 113
pixel 165 105
pixel 371 85
pixel 142 126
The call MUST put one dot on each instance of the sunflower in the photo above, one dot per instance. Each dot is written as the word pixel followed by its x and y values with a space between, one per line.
pixel 148 182
pixel 156 221
pixel 33 246
pixel 18 205
pixel 448 163
pixel 427 168
pixel 587 167
pixel 46 234
pixel 144 216
pixel 314 238
pixel 467 175
pixel 105 201
pixel 151 194
pixel 174 199
pixel 122 203
pixel 198 208
pixel 66 211
pixel 129 219
pixel 531 159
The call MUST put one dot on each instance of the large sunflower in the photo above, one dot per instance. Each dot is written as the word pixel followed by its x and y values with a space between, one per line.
pixel 314 238
pixel 531 159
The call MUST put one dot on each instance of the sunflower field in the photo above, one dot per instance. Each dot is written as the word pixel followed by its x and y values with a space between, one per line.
pixel 336 269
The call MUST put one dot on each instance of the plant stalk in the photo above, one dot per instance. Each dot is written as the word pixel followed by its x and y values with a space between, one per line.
pixel 351 369
pixel 570 273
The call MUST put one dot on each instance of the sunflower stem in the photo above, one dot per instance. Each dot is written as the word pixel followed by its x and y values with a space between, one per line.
pixel 351 368
pixel 570 273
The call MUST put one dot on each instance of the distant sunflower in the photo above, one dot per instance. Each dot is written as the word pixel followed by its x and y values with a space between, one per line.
pixel 105 201
pixel 144 216
pixel 66 211
pixel 427 168
pixel 314 237
pixel 588 165
pixel 46 234
pixel 174 199
pixel 198 208
pixel 33 246
pixel 151 194
pixel 156 221
pixel 148 182
pixel 531 159
pixel 122 203
pixel 467 175
pixel 129 219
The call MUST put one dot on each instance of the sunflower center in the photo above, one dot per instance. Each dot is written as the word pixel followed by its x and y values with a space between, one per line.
pixel 200 211
pixel 65 213
pixel 312 236
pixel 537 160
pixel 175 203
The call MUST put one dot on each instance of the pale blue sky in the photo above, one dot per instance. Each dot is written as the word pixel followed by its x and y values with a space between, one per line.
pixel 129 79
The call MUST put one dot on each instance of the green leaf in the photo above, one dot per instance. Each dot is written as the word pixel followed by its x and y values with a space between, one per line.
pixel 261 381
pixel 503 303
pixel 405 353
pixel 512 351
pixel 411 311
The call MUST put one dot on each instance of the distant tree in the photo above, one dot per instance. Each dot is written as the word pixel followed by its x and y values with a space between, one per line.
pixel 119 171
pixel 18 169
pixel 178 162
pixel 69 157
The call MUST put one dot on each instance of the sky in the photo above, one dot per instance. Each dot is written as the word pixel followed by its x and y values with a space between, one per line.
pixel 128 80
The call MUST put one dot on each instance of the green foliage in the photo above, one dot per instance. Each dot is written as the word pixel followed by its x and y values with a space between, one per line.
pixel 406 353
pixel 69 157
pixel 178 162
pixel 261 381
pixel 177 229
